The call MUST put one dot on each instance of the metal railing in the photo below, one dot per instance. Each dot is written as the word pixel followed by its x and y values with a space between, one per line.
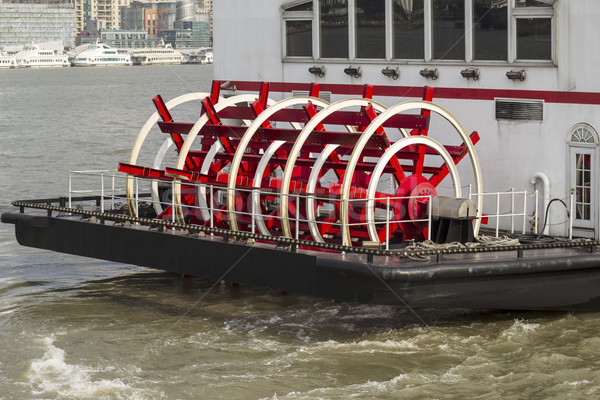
pixel 528 201
pixel 110 186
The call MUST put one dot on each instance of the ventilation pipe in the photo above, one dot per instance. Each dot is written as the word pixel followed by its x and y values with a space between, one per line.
pixel 546 189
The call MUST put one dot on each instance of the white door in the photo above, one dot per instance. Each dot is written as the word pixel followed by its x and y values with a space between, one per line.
pixel 583 184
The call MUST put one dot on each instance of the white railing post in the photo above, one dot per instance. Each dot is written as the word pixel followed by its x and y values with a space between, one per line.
pixel 537 210
pixel 112 197
pixel 342 219
pixel 102 193
pixel 429 222
pixel 70 188
pixel 497 213
pixel 387 223
pixel 137 198
pixel 524 211
pixel 571 213
pixel 173 201
pixel 253 209
pixel 212 207
pixel 297 216
pixel 512 210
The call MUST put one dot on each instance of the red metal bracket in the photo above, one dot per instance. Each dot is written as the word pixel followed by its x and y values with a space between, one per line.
pixel 314 90
pixel 162 109
pixel 260 104
pixel 368 91
pixel 215 91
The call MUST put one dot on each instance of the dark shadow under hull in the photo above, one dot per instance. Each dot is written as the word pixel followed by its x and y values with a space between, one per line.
pixel 552 279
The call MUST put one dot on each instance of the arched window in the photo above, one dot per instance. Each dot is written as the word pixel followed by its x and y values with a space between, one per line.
pixel 583 134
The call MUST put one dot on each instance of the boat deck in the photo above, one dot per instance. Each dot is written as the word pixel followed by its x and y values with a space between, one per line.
pixel 559 275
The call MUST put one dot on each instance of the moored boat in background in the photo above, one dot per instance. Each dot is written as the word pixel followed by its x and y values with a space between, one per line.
pixel 32 56
pixel 101 55
pixel 161 55
pixel 8 61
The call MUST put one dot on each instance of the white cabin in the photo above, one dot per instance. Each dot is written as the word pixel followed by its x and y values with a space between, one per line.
pixel 522 73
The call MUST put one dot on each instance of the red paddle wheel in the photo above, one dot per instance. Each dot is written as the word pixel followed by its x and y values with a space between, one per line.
pixel 346 172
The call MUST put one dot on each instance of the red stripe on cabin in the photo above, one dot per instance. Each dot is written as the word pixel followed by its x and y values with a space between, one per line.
pixel 440 92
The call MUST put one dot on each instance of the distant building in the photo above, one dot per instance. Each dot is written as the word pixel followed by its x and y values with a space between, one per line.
pixel 22 23
pixel 129 39
pixel 83 13
pixel 107 10
pixel 190 34
pixel 206 6
pixel 152 17
pixel 95 25
pixel 182 23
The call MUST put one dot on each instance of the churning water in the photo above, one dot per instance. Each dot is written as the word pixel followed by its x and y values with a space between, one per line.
pixel 87 329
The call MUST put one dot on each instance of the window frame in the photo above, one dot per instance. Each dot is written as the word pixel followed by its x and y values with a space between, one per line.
pixel 531 13
pixel 311 16
pixel 513 14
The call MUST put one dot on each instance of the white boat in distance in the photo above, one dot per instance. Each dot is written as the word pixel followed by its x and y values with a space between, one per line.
pixel 161 55
pixel 101 55
pixel 7 61
pixel 33 57
pixel 202 57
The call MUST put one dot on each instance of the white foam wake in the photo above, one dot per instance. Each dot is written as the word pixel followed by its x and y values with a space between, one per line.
pixel 52 374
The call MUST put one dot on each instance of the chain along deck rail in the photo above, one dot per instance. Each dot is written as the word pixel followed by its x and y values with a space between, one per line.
pixel 291 243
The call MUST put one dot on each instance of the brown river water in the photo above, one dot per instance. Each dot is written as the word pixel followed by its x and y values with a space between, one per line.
pixel 76 328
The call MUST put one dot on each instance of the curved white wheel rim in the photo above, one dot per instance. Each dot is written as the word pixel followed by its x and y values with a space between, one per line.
pixel 141 137
pixel 187 145
pixel 260 170
pixel 384 116
pixel 160 155
pixel 256 182
pixel 381 164
pixel 312 186
pixel 248 135
pixel 302 137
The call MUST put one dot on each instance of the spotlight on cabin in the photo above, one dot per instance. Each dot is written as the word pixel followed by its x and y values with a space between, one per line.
pixel 429 73
pixel 520 75
pixel 353 71
pixel 470 73
pixel 228 86
pixel 393 73
pixel 318 71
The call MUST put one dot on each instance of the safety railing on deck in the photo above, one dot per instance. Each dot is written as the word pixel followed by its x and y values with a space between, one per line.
pixel 110 186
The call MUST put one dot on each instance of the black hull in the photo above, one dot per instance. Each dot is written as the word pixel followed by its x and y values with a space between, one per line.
pixel 551 279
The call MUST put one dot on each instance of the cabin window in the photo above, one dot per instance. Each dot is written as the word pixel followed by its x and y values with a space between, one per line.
pixel 334 28
pixel 409 29
pixel 506 31
pixel 298 37
pixel 490 30
pixel 534 38
pixel 583 184
pixel 534 21
pixel 449 29
pixel 370 28
pixel 298 21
